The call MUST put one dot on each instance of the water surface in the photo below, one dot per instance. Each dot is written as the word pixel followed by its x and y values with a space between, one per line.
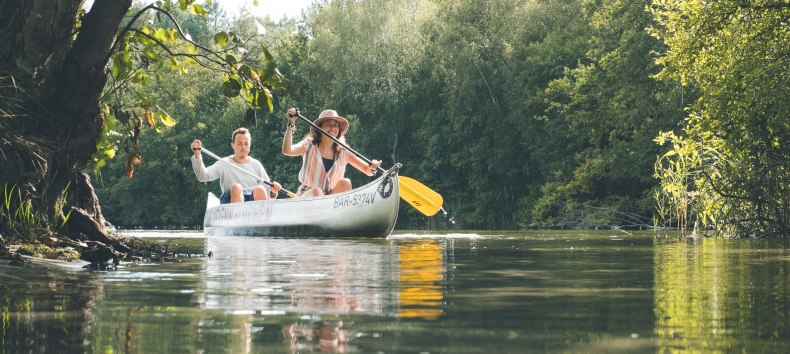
pixel 463 292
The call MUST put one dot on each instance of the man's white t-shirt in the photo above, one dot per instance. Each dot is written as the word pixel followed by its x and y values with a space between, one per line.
pixel 228 175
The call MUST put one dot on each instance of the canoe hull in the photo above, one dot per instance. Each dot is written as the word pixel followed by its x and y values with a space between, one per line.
pixel 368 211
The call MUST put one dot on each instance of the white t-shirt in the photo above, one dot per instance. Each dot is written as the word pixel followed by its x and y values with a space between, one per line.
pixel 228 175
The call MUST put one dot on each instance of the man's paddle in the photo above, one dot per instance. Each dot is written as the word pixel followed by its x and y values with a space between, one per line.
pixel 424 199
pixel 209 153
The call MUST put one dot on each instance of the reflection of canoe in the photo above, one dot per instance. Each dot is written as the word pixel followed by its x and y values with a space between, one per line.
pixel 367 211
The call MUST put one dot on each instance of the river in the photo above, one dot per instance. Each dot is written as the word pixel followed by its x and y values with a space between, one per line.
pixel 460 292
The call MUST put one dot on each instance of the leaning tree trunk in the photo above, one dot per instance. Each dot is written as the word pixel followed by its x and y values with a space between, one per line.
pixel 52 83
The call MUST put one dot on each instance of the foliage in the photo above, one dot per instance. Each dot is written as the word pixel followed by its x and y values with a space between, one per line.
pixel 74 93
pixel 484 104
pixel 19 217
pixel 729 166
pixel 163 191
pixel 603 113
pixel 520 113
pixel 152 44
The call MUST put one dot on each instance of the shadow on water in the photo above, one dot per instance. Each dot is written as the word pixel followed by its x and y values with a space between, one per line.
pixel 471 292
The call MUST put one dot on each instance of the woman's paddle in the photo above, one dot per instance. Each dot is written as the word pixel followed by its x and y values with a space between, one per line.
pixel 424 199
pixel 209 153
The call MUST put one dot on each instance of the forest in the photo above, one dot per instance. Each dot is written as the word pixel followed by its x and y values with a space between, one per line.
pixel 522 114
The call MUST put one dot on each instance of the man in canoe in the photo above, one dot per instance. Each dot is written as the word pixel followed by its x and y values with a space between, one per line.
pixel 323 160
pixel 236 185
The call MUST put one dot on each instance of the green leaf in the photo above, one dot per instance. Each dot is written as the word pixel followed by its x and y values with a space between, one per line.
pixel 231 87
pixel 198 9
pixel 234 38
pixel 245 70
pixel 270 66
pixel 161 35
pixel 149 52
pixel 110 122
pixel 221 39
pixel 140 78
pixel 166 119
pixel 173 64
pixel 231 59
pixel 265 100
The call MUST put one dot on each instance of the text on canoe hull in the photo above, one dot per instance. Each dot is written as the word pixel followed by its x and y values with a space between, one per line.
pixel 355 199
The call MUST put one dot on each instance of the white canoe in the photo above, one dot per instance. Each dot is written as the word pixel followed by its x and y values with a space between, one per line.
pixel 367 211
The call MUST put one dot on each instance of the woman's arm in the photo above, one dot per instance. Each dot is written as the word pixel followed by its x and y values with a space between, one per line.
pixel 289 149
pixel 361 165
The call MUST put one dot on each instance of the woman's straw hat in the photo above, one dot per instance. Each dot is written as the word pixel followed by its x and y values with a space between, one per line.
pixel 330 114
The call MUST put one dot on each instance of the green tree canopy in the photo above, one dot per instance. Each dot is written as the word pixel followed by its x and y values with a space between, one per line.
pixel 728 167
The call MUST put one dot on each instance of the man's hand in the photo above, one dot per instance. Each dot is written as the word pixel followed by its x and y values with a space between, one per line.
pixel 196 146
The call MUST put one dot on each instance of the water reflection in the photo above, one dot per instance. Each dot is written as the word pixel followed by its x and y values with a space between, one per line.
pixel 421 279
pixel 46 312
pixel 722 295
pixel 324 336
pixel 552 292
pixel 324 284
pixel 323 277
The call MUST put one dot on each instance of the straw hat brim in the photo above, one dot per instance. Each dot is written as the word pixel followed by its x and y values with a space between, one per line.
pixel 342 122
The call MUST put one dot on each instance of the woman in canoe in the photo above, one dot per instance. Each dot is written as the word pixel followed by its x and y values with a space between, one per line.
pixel 323 161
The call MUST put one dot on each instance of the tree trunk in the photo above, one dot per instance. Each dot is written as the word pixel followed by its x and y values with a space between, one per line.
pixel 54 83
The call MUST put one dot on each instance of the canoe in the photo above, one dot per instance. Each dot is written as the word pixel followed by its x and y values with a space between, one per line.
pixel 368 211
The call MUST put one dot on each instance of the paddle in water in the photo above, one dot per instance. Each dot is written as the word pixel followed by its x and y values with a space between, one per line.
pixel 422 198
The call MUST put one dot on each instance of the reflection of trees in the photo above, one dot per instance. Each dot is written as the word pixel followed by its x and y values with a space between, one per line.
pixel 148 309
pixel 421 276
pixel 46 311
pixel 719 295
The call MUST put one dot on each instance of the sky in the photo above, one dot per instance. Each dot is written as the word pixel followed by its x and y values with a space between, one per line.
pixel 276 9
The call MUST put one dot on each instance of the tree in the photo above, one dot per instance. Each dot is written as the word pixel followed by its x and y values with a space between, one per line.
pixel 63 73
pixel 603 114
pixel 728 167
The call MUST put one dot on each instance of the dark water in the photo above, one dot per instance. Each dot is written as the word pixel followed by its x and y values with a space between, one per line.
pixel 413 293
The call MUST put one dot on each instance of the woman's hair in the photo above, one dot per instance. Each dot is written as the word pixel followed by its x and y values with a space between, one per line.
pixel 241 130
pixel 316 138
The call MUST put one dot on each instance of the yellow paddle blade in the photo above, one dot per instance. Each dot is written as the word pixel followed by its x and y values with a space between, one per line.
pixel 424 199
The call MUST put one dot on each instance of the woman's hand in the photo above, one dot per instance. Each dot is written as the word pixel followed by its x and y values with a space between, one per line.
pixel 291 115
pixel 374 166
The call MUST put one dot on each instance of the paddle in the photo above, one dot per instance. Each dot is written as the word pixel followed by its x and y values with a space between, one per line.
pixel 209 153
pixel 422 198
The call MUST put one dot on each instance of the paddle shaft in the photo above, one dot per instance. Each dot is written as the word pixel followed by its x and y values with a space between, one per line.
pixel 209 153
